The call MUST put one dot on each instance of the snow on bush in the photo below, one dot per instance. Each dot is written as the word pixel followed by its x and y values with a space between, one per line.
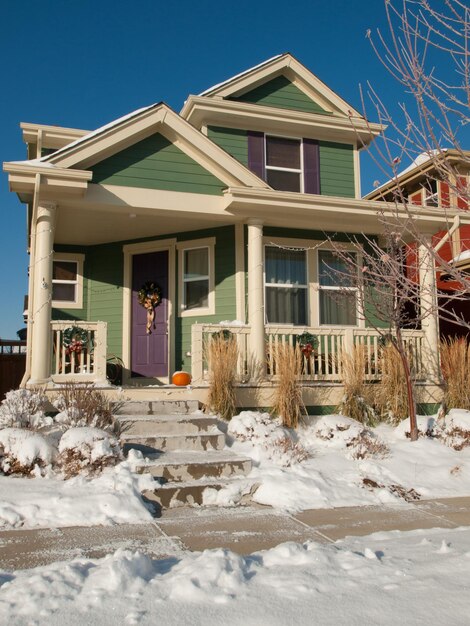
pixel 87 450
pixel 455 431
pixel 270 440
pixel 24 452
pixel 24 408
pixel 427 427
pixel 340 432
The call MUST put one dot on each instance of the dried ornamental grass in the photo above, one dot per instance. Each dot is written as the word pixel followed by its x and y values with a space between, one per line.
pixel 455 366
pixel 357 400
pixel 288 403
pixel 390 393
pixel 222 355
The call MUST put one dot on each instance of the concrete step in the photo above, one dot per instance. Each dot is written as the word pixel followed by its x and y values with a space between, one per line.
pixel 156 407
pixel 189 466
pixel 146 425
pixel 211 440
pixel 191 493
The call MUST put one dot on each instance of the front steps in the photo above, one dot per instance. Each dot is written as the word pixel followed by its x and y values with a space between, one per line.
pixel 184 453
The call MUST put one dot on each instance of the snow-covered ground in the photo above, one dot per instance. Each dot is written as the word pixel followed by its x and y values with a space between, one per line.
pixel 418 577
pixel 330 462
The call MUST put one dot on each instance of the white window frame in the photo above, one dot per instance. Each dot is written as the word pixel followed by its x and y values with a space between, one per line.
pixel 196 244
pixel 79 259
pixel 320 288
pixel 272 244
pixel 285 169
pixel 312 248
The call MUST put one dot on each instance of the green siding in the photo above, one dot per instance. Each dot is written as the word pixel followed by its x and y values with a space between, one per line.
pixel 232 140
pixel 281 93
pixel 155 163
pixel 337 169
pixel 103 282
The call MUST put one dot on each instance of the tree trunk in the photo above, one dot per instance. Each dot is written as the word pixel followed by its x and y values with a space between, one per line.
pixel 409 386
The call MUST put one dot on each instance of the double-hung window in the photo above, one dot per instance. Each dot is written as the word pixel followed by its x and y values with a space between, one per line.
pixel 283 163
pixel 337 291
pixel 196 259
pixel 67 281
pixel 431 196
pixel 286 286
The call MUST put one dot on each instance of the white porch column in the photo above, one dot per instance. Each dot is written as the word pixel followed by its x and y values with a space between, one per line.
pixel 256 296
pixel 41 305
pixel 429 309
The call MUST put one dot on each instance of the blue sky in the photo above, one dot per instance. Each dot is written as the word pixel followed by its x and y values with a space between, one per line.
pixel 83 63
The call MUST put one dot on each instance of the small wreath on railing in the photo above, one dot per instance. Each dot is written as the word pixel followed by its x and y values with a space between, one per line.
pixel 225 335
pixel 308 343
pixel 149 296
pixel 74 339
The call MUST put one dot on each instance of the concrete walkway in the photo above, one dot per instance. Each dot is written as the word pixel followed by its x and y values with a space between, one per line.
pixel 243 530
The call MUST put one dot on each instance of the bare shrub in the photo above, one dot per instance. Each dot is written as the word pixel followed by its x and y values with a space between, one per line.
pixel 24 408
pixel 288 403
pixel 357 401
pixel 83 405
pixel 409 495
pixel 222 354
pixel 286 452
pixel 390 397
pixel 455 367
pixel 366 445
pixel 24 452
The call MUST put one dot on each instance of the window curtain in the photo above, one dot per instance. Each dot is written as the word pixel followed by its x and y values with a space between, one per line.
pixel 286 305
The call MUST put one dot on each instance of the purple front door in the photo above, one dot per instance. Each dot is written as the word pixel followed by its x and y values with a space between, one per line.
pixel 149 352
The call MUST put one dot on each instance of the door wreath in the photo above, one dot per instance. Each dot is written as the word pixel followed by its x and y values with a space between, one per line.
pixel 149 296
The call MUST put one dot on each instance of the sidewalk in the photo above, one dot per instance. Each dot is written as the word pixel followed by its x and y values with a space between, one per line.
pixel 242 529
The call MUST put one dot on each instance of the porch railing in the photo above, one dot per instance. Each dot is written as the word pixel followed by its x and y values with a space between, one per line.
pixel 79 356
pixel 323 364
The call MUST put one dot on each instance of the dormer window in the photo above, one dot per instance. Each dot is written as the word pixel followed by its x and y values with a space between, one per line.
pixel 283 163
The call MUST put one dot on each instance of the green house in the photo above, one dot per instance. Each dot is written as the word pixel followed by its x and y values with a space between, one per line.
pixel 151 233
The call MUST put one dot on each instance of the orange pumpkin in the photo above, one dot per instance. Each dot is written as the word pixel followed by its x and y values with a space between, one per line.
pixel 181 379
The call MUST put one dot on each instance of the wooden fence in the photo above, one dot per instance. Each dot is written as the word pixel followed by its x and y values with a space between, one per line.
pixel 12 365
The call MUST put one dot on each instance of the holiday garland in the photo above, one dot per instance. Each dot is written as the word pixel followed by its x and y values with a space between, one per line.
pixel 149 296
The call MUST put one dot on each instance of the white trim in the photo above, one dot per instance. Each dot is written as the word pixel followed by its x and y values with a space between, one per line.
pixel 194 244
pixel 79 259
pixel 129 250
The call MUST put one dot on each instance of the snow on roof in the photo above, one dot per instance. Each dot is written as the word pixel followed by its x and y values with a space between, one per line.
pixel 421 159
pixel 251 69
pixel 99 130
pixel 462 256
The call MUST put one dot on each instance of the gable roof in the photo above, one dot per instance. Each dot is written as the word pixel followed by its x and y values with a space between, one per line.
pixel 123 132
pixel 287 65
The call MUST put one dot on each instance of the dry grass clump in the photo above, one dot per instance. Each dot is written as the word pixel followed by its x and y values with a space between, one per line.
pixel 288 403
pixel 390 396
pixel 455 365
pixel 83 405
pixel 357 399
pixel 77 462
pixel 222 355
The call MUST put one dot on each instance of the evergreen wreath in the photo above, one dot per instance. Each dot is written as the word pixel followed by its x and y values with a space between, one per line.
pixel 307 343
pixel 74 339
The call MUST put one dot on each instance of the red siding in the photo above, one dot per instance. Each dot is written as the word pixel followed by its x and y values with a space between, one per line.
pixel 446 254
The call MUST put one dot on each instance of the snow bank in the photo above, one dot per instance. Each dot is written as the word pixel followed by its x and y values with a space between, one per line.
pixel 289 584
pixel 92 444
pixel 114 497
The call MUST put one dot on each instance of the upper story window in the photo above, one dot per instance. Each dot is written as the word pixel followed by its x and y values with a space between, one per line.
pixel 284 163
pixel 67 280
